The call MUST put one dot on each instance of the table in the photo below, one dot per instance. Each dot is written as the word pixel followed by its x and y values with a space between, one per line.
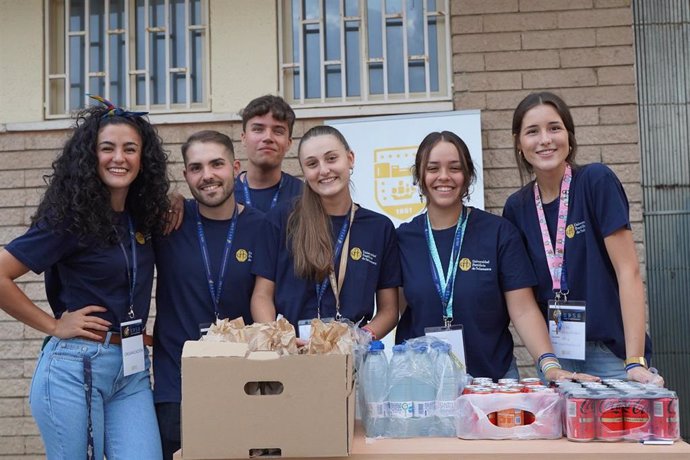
pixel 453 448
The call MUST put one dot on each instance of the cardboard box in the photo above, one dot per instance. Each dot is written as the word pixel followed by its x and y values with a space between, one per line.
pixel 313 416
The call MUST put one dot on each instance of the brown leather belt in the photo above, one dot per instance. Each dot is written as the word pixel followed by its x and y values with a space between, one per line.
pixel 115 338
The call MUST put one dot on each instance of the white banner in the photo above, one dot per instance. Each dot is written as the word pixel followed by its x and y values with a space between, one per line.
pixel 385 149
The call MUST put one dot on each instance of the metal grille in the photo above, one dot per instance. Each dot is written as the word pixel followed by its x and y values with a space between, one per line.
pixel 339 52
pixel 662 36
pixel 144 54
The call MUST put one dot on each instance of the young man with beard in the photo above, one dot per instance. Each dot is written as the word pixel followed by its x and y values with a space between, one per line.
pixel 203 269
pixel 267 123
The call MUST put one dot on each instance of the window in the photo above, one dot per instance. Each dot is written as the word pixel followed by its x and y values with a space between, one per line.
pixel 142 54
pixel 364 51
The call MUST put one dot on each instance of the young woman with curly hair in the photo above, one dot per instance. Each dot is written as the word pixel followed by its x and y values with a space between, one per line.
pixel 91 235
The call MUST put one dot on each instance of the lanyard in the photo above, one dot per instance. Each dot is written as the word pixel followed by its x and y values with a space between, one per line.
pixel 131 277
pixel 445 285
pixel 214 288
pixel 342 244
pixel 248 198
pixel 556 258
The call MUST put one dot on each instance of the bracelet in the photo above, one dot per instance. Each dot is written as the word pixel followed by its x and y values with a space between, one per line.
pixel 544 356
pixel 368 329
pixel 550 365
pixel 632 366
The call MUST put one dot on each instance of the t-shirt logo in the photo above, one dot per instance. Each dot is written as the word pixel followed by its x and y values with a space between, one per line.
pixel 356 253
pixel 241 255
pixel 570 231
pixel 140 238
pixel 465 264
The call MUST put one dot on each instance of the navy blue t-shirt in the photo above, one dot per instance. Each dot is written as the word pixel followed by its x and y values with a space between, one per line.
pixel 373 264
pixel 261 199
pixel 498 264
pixel 183 299
pixel 598 207
pixel 81 272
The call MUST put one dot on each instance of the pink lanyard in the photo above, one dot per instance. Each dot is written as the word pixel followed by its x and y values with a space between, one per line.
pixel 555 258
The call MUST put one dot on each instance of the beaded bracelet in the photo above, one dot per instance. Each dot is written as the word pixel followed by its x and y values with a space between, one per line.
pixel 550 365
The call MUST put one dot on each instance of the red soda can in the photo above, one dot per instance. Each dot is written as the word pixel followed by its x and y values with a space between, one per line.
pixel 492 418
pixel 665 417
pixel 528 417
pixel 579 415
pixel 509 418
pixel 528 381
pixel 609 419
pixel 469 389
pixel 636 417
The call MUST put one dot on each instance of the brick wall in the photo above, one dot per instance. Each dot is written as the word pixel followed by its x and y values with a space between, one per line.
pixel 503 49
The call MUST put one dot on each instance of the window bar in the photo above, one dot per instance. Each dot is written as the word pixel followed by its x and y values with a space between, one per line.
pixel 67 55
pixel 106 50
pixel 364 50
pixel 206 58
pixel 128 63
pixel 300 41
pixel 384 46
pixel 187 55
pixel 426 14
pixel 166 40
pixel 448 52
pixel 147 56
pixel 47 57
pixel 343 58
pixel 322 50
pixel 281 50
pixel 87 52
pixel 405 50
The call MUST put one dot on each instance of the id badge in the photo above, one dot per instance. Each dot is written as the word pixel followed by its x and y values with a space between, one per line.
pixel 132 334
pixel 567 326
pixel 304 327
pixel 203 329
pixel 454 336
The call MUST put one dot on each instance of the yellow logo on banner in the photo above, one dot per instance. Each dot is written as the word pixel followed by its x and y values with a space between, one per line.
pixel 241 255
pixel 356 253
pixel 465 264
pixel 394 191
pixel 570 231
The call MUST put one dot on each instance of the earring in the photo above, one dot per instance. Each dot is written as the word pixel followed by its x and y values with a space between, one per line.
pixel 352 171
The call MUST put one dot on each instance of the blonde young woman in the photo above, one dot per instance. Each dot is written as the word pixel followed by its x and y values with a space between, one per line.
pixel 325 256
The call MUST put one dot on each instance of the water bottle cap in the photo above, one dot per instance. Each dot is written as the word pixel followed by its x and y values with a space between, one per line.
pixel 420 348
pixel 376 345
pixel 400 348
pixel 441 347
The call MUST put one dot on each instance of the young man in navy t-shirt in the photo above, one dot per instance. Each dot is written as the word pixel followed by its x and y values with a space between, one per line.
pixel 267 123
pixel 203 269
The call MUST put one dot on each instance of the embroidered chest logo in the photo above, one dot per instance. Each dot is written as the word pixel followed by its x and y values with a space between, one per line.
pixel 478 265
pixel 465 264
pixel 356 253
pixel 575 229
pixel 242 255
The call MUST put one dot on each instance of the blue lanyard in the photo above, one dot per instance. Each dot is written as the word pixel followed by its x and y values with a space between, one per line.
pixel 131 277
pixel 215 290
pixel 321 287
pixel 445 284
pixel 248 198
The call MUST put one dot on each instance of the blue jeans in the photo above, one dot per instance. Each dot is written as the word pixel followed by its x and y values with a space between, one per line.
pixel 122 413
pixel 599 361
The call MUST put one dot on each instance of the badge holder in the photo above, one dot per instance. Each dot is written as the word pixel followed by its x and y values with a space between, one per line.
pixel 132 334
pixel 304 327
pixel 452 334
pixel 567 327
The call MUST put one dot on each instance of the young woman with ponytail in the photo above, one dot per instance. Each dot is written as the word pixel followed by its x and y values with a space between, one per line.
pixel 323 255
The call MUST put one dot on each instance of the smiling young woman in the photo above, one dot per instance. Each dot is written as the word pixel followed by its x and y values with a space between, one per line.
pixel 325 256
pixel 574 220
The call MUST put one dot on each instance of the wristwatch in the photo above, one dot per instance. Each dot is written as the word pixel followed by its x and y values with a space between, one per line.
pixel 636 360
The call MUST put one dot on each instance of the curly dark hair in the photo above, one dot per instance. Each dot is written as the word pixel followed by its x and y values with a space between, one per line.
pixel 77 200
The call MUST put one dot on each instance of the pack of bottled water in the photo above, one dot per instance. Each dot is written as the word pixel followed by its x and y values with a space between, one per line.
pixel 413 395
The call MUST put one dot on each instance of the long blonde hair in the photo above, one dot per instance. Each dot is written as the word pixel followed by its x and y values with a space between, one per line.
pixel 309 227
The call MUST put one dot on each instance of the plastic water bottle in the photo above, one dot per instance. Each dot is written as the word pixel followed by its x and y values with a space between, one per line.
pixel 447 384
pixel 423 391
pixel 400 393
pixel 375 387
